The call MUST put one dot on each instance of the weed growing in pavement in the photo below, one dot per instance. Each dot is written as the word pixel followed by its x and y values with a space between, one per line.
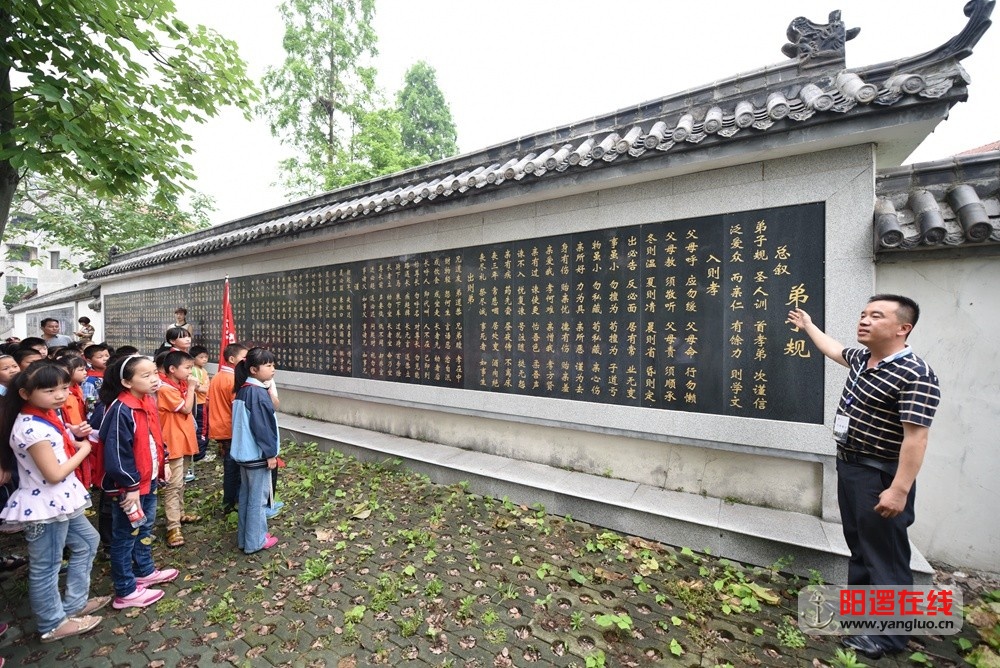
pixel 693 594
pixel 489 618
pixel 846 658
pixel 576 620
pixel 351 635
pixel 433 588
pixel 545 570
pixel 465 607
pixel 408 627
pixel 622 622
pixel 596 659
pixel 223 613
pixel 271 569
pixel 385 592
pixel 496 636
pixel 739 594
pixel 168 606
pixel 790 636
pixel 355 615
pixel 315 569
pixel 255 596
pixel 508 592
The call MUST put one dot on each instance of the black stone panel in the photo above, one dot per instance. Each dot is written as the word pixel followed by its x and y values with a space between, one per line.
pixel 684 315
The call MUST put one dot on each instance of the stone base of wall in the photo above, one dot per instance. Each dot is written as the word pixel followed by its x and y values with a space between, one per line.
pixel 724 472
pixel 738 531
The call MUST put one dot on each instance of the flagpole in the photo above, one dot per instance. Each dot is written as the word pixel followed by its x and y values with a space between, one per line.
pixel 228 323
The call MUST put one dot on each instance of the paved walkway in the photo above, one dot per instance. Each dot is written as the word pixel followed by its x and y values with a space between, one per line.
pixel 377 566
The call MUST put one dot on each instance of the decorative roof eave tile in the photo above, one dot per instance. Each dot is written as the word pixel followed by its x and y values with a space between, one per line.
pixel 939 205
pixel 814 89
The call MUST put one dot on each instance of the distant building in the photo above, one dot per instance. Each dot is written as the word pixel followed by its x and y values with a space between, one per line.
pixel 34 267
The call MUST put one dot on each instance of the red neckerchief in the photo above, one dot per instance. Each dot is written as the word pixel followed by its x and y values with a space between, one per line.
pixel 146 416
pixel 181 386
pixel 51 418
pixel 95 373
pixel 77 392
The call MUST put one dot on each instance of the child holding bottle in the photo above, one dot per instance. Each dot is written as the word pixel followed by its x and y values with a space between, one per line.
pixel 133 464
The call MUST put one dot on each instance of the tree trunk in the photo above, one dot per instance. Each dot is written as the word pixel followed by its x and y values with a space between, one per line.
pixel 8 175
pixel 8 185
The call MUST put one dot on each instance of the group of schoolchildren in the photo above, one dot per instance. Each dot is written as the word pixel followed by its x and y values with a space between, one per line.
pixel 124 425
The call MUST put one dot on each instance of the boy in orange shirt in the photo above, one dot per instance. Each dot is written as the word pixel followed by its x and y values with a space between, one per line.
pixel 175 400
pixel 221 392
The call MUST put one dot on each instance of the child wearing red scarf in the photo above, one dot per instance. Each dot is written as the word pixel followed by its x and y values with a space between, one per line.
pixel 133 465
pixel 49 502
pixel 175 401
pixel 74 413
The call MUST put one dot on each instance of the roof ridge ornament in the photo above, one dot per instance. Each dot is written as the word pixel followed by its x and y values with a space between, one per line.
pixel 957 48
pixel 818 44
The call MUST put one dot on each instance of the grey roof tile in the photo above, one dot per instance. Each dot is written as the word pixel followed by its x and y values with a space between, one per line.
pixel 813 89
pixel 940 204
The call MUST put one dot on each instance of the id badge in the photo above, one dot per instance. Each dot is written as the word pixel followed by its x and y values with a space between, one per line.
pixel 841 423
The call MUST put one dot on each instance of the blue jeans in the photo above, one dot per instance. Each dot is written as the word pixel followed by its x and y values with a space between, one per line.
pixel 230 479
pixel 131 554
pixel 45 551
pixel 255 493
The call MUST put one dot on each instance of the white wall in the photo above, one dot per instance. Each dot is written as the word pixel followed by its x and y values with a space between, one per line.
pixel 959 485
pixel 780 464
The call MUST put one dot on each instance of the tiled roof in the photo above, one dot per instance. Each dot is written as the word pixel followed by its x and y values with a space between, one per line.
pixel 941 204
pixel 810 91
pixel 72 293
pixel 985 148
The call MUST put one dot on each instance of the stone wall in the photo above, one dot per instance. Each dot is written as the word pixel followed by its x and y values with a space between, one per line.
pixel 957 335
pixel 784 465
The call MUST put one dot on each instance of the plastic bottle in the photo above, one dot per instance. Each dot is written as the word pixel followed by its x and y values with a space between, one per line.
pixel 136 516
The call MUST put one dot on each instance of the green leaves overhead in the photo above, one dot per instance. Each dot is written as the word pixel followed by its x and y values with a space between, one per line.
pixel 72 216
pixel 96 93
pixel 323 104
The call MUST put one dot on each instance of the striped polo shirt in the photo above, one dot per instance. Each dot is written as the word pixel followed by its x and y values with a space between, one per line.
pixel 901 388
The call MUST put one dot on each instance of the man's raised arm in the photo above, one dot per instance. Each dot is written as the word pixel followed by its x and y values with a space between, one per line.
pixel 826 344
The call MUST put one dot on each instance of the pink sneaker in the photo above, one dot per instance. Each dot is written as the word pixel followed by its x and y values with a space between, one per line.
pixel 157 577
pixel 140 598
pixel 270 542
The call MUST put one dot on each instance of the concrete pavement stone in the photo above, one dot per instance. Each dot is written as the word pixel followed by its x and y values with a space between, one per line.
pixel 500 583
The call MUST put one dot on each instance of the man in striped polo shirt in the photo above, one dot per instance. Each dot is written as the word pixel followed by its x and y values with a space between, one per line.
pixel 881 429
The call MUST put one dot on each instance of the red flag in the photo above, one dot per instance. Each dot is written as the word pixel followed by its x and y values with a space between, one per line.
pixel 228 325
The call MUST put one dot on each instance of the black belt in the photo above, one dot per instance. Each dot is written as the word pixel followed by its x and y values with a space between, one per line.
pixel 871 462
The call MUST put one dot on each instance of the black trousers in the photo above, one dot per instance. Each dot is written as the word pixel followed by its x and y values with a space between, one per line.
pixel 880 547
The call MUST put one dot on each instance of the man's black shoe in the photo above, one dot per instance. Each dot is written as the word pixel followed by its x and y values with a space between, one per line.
pixel 870 646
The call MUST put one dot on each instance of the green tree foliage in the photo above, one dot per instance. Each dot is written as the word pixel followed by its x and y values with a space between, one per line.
pixel 427 127
pixel 71 216
pixel 319 99
pixel 14 294
pixel 97 93
pixel 378 148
